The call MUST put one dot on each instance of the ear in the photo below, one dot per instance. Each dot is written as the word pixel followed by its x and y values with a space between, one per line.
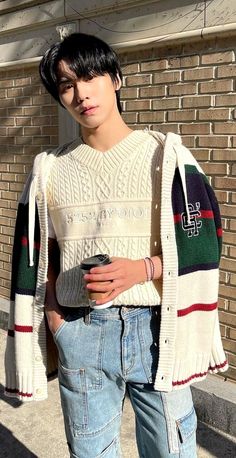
pixel 117 83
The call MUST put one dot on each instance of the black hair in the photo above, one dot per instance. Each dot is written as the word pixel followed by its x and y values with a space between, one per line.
pixel 86 55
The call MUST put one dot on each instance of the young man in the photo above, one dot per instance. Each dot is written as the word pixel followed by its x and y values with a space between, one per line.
pixel 142 198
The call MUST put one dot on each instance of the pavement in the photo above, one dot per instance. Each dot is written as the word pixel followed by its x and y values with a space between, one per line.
pixel 35 429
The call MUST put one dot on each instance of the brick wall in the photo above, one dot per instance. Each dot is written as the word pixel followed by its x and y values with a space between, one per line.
pixel 190 90
pixel 28 125
pixel 187 89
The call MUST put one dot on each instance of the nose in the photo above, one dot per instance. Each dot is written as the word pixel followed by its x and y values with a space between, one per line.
pixel 81 91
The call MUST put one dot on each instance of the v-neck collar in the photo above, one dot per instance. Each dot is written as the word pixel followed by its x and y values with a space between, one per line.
pixel 110 159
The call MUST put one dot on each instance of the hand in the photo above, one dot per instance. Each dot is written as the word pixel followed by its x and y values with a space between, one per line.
pixel 54 318
pixel 122 273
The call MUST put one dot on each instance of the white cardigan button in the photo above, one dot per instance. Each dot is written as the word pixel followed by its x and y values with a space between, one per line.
pixel 38 358
pixel 39 196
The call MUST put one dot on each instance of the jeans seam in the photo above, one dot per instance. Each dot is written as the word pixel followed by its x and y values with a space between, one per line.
pixel 172 447
pixel 143 358
pixel 98 431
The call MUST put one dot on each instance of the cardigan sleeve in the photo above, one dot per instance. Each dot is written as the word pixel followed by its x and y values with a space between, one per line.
pixel 18 358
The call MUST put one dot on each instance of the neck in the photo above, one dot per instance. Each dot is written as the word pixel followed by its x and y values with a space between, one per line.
pixel 107 135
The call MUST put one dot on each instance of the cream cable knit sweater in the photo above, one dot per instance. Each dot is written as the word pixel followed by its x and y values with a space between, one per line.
pixel 102 202
pixel 190 344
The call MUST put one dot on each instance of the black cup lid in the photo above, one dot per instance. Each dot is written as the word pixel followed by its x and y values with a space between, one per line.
pixel 95 261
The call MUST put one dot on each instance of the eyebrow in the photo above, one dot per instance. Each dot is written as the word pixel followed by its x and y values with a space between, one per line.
pixel 65 79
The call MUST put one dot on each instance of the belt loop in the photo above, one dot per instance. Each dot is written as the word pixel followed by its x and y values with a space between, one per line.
pixel 87 318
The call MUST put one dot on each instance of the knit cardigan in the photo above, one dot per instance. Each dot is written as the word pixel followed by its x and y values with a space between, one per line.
pixel 190 344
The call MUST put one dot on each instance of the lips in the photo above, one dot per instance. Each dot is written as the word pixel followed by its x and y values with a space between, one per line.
pixel 88 110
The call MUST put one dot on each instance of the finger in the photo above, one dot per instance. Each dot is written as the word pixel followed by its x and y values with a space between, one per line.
pixel 101 287
pixel 103 269
pixel 98 277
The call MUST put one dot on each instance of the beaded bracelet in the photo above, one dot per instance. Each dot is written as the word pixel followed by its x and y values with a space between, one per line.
pixel 149 268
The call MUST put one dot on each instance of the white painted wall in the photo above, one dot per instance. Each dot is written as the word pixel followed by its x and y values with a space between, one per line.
pixel 27 28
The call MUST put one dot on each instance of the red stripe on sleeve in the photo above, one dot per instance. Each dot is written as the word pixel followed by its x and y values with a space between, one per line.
pixel 206 214
pixel 201 374
pixel 25 242
pixel 177 218
pixel 20 393
pixel 197 307
pixel 19 328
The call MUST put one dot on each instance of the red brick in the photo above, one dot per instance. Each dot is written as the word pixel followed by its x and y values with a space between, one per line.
pixel 225 183
pixel 153 91
pixel 185 61
pixel 22 82
pixel 130 117
pixel 228 211
pixel 126 93
pixel 216 114
pixel 138 80
pixel 195 128
pixel 130 68
pixel 189 141
pixel 201 154
pixel 197 101
pixel 166 104
pixel 224 155
pixel 137 105
pixel 217 58
pixel 152 116
pixel 197 74
pixel 214 169
pixel 40 100
pixel 222 196
pixel 32 130
pixel 166 77
pixel 182 115
pixel 165 128
pixel 216 86
pixel 183 89
pixel 228 291
pixel 154 65
pixel 213 141
pixel 226 71
pixel 225 128
pixel 225 100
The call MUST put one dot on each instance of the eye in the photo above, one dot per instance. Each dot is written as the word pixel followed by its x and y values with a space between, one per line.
pixel 65 87
pixel 89 78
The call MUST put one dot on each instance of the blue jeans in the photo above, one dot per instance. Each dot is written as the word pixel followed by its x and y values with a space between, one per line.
pixel 103 354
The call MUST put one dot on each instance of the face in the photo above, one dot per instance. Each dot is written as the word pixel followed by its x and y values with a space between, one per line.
pixel 92 101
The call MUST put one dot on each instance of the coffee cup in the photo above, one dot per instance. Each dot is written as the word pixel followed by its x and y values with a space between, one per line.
pixel 87 264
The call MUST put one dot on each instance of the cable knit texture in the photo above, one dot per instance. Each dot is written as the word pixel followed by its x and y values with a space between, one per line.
pixel 191 236
pixel 102 202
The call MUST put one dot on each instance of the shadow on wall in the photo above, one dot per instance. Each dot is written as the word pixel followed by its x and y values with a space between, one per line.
pixel 215 443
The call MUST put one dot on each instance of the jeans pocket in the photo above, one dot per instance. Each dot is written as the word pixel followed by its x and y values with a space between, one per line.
pixel 112 451
pixel 181 422
pixel 149 330
pixel 80 354
pixel 59 329
pixel 187 426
